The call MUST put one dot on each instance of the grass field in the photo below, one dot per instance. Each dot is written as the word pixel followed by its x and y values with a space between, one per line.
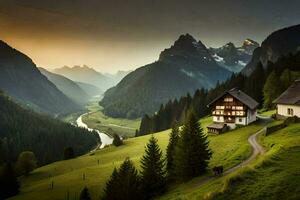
pixel 229 149
pixel 267 113
pixel 275 175
pixel 97 120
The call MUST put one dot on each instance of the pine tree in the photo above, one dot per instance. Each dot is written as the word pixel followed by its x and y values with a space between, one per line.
pixel 9 185
pixel 124 184
pixel 286 79
pixel 192 152
pixel 272 89
pixel 174 135
pixel 153 172
pixel 85 195
pixel 111 189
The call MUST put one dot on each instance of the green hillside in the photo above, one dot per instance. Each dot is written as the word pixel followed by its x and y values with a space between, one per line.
pixel 275 175
pixel 229 149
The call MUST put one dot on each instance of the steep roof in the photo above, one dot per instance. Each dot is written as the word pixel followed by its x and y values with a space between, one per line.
pixel 291 95
pixel 239 95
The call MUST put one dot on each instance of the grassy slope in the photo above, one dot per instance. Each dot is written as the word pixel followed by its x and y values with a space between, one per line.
pixel 96 119
pixel 267 113
pixel 275 175
pixel 229 149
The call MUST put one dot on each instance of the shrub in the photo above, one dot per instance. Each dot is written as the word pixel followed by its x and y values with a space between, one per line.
pixel 26 162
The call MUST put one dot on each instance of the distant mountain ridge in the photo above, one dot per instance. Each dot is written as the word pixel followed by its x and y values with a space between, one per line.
pixel 280 43
pixel 21 79
pixel 234 58
pixel 184 67
pixel 89 75
pixel 67 86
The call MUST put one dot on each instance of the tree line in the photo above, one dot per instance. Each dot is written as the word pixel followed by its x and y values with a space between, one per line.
pixel 263 84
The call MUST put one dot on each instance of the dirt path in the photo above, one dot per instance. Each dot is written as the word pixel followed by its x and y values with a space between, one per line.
pixel 256 150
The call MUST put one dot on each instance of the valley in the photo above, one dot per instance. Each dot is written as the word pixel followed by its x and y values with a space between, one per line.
pixel 98 120
pixel 149 100
pixel 228 149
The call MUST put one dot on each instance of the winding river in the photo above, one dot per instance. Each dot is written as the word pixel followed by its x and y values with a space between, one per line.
pixel 105 139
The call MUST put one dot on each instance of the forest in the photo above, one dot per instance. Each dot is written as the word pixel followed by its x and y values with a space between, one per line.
pixel 24 130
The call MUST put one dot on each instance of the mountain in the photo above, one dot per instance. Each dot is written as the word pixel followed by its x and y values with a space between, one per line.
pixel 280 43
pixel 184 67
pixel 85 74
pixel 67 86
pixel 23 130
pixel 234 58
pixel 90 89
pixel 21 79
pixel 118 76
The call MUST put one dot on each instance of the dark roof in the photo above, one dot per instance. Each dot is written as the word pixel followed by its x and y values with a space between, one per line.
pixel 239 95
pixel 291 95
pixel 216 125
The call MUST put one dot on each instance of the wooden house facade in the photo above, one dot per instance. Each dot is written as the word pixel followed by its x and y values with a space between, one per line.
pixel 230 109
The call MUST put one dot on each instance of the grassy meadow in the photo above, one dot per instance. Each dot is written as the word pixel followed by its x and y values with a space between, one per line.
pixel 67 176
pixel 274 175
pixel 98 120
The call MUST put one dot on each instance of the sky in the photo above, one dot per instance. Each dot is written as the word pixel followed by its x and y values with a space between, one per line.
pixel 112 35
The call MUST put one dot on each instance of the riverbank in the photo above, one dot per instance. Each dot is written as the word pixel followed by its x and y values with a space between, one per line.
pixel 105 139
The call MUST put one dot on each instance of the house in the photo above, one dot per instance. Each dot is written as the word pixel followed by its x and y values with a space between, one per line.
pixel 230 109
pixel 288 103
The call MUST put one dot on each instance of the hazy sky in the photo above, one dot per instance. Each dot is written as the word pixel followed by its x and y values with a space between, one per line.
pixel 112 35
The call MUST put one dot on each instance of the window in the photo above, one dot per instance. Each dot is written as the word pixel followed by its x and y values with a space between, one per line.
pixel 218 118
pixel 240 120
pixel 228 99
pixel 220 107
pixel 239 107
pixel 290 111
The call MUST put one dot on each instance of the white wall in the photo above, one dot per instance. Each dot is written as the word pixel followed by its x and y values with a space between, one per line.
pixel 282 110
pixel 243 122
pixel 251 116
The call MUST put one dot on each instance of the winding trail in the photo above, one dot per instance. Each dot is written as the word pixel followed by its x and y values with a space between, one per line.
pixel 256 150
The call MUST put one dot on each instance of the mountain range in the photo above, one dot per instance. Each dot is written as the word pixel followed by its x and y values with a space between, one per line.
pixel 21 79
pixel 68 87
pixel 280 43
pixel 90 76
pixel 234 58
pixel 184 67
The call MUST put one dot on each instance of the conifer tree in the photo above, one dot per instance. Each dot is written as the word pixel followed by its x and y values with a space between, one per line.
pixel 192 152
pixel 272 89
pixel 85 195
pixel 153 170
pixel 174 135
pixel 9 185
pixel 124 184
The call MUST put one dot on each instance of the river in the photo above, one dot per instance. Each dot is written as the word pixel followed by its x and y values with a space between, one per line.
pixel 105 139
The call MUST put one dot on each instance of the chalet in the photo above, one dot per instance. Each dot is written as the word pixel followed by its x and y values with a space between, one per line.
pixel 288 103
pixel 230 109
